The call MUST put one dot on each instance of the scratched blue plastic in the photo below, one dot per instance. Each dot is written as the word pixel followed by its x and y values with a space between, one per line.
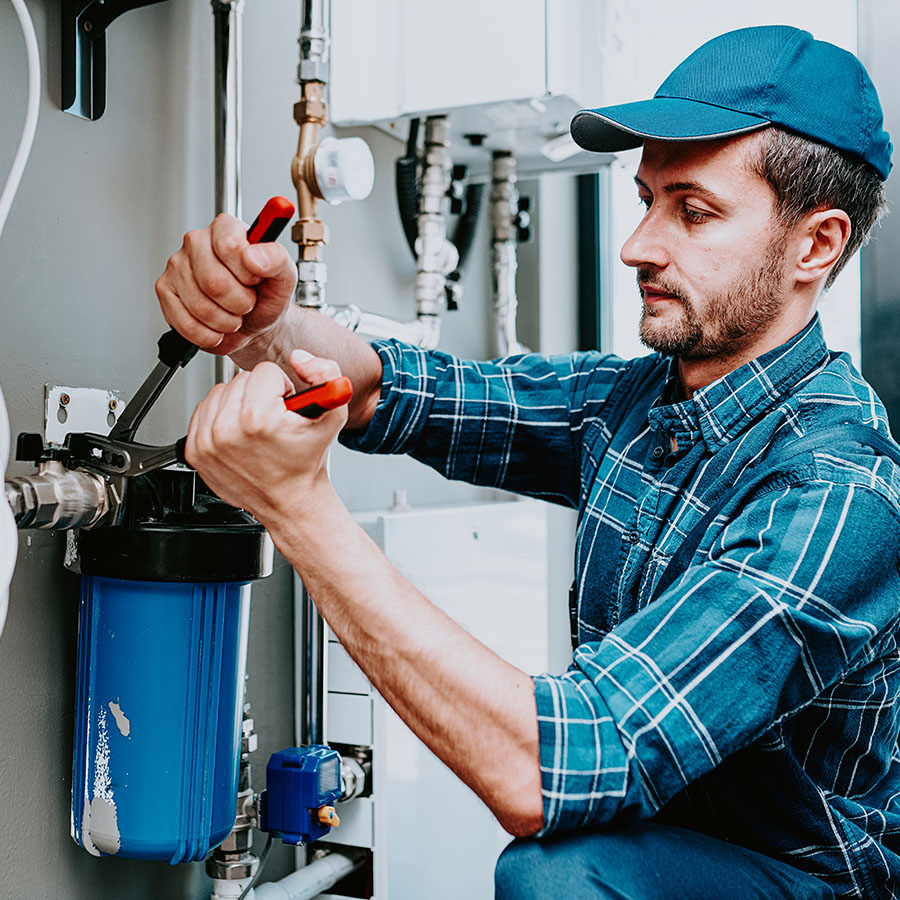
pixel 158 715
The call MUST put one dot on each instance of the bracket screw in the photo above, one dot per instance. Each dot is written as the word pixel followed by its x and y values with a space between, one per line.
pixel 64 399
pixel 88 25
pixel 113 404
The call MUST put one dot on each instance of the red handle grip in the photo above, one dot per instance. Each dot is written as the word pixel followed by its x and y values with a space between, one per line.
pixel 312 402
pixel 271 221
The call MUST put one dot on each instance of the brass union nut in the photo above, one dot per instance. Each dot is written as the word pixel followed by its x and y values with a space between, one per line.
pixel 312 110
pixel 310 231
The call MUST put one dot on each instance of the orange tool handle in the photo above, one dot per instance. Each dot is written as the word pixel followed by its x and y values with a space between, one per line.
pixel 271 221
pixel 312 402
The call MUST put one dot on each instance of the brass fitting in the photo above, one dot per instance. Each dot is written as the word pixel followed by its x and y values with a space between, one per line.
pixel 311 114
pixel 311 109
pixel 310 235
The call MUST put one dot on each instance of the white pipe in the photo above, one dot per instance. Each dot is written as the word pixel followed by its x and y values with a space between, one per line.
pixel 504 202
pixel 9 541
pixel 425 331
pixel 31 111
pixel 506 303
pixel 436 256
pixel 314 40
pixel 308 882
pixel 229 890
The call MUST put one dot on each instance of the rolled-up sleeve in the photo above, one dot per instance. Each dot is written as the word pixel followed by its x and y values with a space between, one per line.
pixel 514 423
pixel 799 589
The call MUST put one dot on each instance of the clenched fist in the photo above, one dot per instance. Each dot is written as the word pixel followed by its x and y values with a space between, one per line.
pixel 220 292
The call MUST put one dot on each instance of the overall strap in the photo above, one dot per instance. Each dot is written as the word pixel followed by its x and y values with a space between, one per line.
pixel 720 494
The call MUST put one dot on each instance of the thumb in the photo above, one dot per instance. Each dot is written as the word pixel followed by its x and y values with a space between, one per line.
pixel 314 369
pixel 269 261
pixel 271 264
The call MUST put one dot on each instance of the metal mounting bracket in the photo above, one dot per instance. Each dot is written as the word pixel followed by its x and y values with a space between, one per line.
pixel 84 24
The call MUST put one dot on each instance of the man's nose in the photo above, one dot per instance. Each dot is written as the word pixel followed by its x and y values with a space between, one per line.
pixel 646 246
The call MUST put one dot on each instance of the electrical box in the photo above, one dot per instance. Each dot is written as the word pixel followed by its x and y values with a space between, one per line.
pixel 511 80
pixel 486 566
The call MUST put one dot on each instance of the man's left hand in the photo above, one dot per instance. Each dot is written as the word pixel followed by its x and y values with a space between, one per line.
pixel 253 452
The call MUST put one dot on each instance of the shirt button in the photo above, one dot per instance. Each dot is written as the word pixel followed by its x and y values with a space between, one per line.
pixel 632 536
pixel 658 453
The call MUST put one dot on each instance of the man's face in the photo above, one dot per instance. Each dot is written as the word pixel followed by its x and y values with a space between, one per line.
pixel 709 251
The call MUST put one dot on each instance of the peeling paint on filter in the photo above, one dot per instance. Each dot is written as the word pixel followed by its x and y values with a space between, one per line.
pixel 100 824
pixel 70 556
pixel 86 841
pixel 122 721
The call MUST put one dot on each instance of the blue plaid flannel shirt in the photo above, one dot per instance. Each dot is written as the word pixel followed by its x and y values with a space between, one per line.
pixel 755 700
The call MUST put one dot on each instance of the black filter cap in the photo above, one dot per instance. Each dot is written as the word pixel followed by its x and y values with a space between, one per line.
pixel 175 529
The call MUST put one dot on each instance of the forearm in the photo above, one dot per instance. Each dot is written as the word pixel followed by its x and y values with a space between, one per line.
pixel 475 711
pixel 318 334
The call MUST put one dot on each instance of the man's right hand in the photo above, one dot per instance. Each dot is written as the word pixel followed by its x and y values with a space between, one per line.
pixel 221 292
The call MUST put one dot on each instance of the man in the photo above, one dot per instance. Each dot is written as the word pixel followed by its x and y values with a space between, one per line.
pixel 728 729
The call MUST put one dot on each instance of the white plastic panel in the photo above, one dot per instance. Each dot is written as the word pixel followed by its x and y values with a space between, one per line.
pixel 357 824
pixel 486 566
pixel 344 676
pixel 582 40
pixel 349 719
pixel 514 76
pixel 401 56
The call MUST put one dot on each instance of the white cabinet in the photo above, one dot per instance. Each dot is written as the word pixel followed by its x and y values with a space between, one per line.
pixel 486 566
pixel 512 72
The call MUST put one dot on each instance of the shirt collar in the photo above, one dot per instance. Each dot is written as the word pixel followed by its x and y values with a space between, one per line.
pixel 721 410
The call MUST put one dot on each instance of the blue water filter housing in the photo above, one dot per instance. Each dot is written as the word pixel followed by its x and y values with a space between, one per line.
pixel 161 664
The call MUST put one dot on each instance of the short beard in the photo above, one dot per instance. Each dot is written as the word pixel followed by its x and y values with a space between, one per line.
pixel 732 319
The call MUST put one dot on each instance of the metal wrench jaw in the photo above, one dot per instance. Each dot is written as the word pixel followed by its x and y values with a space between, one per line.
pixel 125 458
pixel 116 461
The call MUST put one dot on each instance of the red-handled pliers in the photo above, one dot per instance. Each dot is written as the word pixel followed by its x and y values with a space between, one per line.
pixel 119 454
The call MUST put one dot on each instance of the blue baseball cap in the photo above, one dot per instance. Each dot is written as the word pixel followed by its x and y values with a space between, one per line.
pixel 746 80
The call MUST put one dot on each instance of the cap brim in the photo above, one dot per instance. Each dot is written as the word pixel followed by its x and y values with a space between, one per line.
pixel 622 127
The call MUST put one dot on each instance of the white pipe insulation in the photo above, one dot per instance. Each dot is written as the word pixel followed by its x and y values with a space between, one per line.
pixel 436 255
pixel 9 540
pixel 504 203
pixel 309 881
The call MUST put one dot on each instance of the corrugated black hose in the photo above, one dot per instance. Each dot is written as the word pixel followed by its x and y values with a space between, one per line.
pixel 406 183
pixel 467 225
pixel 464 238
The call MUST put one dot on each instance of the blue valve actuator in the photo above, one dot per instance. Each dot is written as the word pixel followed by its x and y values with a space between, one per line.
pixel 299 782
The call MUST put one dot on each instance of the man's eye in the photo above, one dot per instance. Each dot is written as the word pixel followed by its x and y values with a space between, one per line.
pixel 645 202
pixel 694 216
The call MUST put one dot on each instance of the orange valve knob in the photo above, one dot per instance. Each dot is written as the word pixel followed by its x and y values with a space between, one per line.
pixel 327 816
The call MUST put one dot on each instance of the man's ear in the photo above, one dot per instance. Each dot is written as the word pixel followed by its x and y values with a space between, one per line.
pixel 823 234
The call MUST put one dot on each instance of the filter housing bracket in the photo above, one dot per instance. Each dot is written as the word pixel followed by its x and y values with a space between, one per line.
pixel 84 24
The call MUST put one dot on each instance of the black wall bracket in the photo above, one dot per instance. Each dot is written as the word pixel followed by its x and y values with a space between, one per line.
pixel 84 24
